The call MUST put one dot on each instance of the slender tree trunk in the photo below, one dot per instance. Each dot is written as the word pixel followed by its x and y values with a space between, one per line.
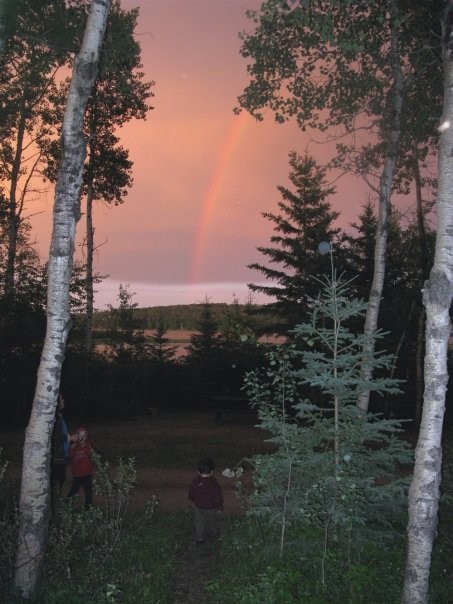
pixel 89 271
pixel 34 495
pixel 424 263
pixel 13 211
pixel 385 193
pixel 425 487
pixel 424 252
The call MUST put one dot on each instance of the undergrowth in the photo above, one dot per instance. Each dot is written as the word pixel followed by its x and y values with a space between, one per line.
pixel 249 571
pixel 141 570
pixel 106 554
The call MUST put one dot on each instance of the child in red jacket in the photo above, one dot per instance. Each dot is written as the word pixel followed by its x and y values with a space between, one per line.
pixel 82 466
pixel 206 496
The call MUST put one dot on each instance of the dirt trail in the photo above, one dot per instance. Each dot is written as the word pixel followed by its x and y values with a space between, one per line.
pixel 194 561
pixel 193 569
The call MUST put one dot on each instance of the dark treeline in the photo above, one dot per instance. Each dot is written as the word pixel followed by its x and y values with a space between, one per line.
pixel 179 316
pixel 128 373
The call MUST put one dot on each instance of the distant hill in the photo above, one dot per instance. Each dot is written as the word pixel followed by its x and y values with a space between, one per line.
pixel 187 316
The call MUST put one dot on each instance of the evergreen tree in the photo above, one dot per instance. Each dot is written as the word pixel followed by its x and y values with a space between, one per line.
pixel 22 324
pixel 29 276
pixel 158 349
pixel 163 375
pixel 128 354
pixel 203 358
pixel 320 489
pixel 361 248
pixel 305 220
pixel 240 349
pixel 205 340
pixel 125 328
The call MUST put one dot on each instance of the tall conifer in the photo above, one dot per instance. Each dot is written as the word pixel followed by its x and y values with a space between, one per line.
pixel 305 219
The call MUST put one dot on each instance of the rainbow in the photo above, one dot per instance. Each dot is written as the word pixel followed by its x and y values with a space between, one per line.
pixel 208 207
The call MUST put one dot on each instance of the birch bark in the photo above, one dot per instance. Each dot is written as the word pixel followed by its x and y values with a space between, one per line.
pixel 385 194
pixel 437 297
pixel 35 495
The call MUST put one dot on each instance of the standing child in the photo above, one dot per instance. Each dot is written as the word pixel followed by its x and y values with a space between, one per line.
pixel 206 496
pixel 82 466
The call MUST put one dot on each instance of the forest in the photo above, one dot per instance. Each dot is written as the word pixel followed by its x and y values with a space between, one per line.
pixel 325 409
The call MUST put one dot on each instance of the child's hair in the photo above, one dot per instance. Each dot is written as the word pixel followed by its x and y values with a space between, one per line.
pixel 82 433
pixel 206 466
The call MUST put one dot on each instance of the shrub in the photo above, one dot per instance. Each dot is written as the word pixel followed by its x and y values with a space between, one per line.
pixel 83 544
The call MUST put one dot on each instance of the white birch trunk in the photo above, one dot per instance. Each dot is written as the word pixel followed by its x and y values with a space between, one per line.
pixel 425 488
pixel 35 495
pixel 385 194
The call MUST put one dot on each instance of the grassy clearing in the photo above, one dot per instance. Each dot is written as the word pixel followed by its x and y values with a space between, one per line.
pixel 177 440
pixel 247 568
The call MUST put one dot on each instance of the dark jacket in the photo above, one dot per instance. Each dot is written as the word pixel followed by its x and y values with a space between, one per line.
pixel 60 442
pixel 206 493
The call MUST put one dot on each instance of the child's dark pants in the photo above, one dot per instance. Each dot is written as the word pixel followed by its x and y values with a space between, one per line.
pixel 205 523
pixel 85 483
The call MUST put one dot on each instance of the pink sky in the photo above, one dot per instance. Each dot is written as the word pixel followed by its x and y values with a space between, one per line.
pixel 202 176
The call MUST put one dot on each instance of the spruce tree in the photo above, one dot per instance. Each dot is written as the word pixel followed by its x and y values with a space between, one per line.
pixel 335 476
pixel 205 340
pixel 203 358
pixel 158 349
pixel 127 338
pixel 305 219
pixel 361 248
